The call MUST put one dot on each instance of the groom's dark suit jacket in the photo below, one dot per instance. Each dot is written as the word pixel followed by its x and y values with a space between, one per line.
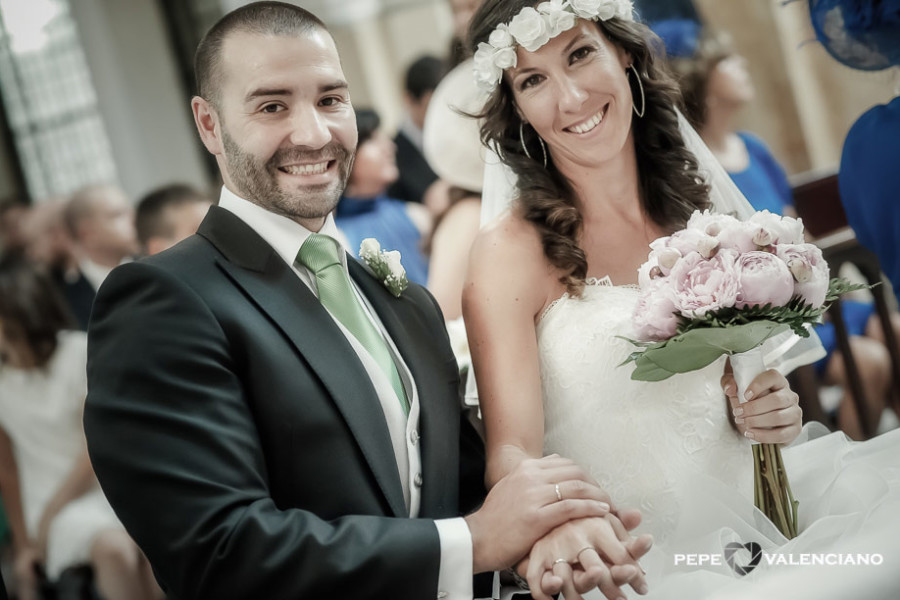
pixel 240 441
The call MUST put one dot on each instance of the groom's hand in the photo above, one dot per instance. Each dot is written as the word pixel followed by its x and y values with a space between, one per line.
pixel 534 498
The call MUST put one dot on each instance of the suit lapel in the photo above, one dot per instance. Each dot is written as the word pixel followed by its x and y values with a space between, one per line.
pixel 438 423
pixel 274 287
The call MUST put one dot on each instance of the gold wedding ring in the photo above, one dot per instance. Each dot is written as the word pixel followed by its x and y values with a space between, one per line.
pixel 558 494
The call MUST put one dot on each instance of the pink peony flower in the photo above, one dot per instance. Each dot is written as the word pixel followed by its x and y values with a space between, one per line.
pixel 649 272
pixel 710 223
pixel 809 270
pixel 764 279
pixel 693 240
pixel 703 285
pixel 655 316
pixel 662 256
pixel 783 230
pixel 738 236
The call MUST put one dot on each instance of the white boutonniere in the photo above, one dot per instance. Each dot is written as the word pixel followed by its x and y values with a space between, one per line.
pixel 385 264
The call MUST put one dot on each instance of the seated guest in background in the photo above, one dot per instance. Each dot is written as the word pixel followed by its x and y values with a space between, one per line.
pixel 12 215
pixel 422 76
pixel 455 152
pixel 367 211
pixel 715 85
pixel 47 240
pixel 58 516
pixel 100 221
pixel 168 215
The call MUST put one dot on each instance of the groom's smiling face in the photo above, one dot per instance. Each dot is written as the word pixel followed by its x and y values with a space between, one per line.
pixel 282 126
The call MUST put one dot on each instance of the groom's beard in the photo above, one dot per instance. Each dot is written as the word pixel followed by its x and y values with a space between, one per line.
pixel 257 181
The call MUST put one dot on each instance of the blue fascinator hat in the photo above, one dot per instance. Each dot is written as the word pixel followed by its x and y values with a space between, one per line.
pixel 862 34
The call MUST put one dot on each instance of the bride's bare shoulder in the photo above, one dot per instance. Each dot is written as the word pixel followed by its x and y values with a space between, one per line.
pixel 507 260
pixel 509 237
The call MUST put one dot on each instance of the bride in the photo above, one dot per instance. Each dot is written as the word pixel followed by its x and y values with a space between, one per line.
pixel 585 118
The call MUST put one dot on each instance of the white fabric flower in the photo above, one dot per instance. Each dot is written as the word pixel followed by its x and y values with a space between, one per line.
pixel 625 10
pixel 501 38
pixel 505 58
pixel 594 9
pixel 487 72
pixel 529 29
pixel 558 18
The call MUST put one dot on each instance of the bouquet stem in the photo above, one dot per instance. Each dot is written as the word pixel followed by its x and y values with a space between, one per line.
pixel 771 491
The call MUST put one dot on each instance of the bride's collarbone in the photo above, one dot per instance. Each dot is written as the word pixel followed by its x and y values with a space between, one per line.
pixel 620 265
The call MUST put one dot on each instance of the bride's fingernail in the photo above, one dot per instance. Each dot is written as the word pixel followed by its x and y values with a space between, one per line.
pixel 749 434
pixel 642 589
pixel 739 420
pixel 748 395
pixel 738 411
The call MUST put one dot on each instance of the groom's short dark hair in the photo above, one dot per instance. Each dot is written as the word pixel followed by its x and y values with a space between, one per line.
pixel 264 18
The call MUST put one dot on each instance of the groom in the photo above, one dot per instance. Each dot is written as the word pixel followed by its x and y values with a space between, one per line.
pixel 266 418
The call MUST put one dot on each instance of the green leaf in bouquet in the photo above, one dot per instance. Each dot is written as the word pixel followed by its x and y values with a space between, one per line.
pixel 698 348
pixel 839 286
pixel 647 370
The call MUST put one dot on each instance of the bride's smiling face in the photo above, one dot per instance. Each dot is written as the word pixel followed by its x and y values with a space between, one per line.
pixel 574 92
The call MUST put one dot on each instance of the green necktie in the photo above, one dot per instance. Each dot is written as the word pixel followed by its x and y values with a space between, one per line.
pixel 320 254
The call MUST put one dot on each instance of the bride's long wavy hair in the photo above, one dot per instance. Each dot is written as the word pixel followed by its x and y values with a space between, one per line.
pixel 670 184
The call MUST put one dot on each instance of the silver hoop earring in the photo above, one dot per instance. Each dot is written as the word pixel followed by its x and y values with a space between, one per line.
pixel 522 139
pixel 525 148
pixel 639 113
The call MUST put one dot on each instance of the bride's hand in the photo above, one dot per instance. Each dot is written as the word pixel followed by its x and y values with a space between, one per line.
pixel 585 554
pixel 772 415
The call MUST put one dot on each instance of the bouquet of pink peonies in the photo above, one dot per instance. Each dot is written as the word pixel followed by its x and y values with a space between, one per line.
pixel 724 286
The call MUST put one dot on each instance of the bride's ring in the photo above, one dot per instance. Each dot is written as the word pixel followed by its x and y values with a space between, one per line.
pixel 558 494
pixel 560 560
pixel 578 555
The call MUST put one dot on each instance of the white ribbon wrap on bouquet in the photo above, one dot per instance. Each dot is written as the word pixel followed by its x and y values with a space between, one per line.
pixel 746 366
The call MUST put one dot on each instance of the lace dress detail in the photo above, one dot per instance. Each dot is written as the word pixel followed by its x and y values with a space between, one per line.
pixel 642 441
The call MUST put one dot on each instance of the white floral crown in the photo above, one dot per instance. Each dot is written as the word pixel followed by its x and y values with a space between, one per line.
pixel 532 28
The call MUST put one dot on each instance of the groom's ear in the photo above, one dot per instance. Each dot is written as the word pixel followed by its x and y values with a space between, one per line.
pixel 208 124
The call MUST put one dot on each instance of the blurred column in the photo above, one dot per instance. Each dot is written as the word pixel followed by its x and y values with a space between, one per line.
pixel 822 144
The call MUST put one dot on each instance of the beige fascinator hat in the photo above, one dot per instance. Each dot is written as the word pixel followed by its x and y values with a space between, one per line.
pixel 451 141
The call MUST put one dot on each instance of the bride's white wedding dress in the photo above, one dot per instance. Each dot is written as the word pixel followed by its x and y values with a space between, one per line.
pixel 668 449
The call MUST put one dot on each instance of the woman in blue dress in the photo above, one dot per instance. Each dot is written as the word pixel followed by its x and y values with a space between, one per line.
pixel 366 211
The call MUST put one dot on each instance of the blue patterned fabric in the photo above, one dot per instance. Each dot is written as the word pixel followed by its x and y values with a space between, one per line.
pixel 386 220
pixel 862 34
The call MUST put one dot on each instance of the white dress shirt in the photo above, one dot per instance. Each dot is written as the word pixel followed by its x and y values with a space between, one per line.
pixel 93 272
pixel 286 237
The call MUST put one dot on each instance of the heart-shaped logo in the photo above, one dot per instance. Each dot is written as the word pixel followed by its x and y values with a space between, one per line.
pixel 755 556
